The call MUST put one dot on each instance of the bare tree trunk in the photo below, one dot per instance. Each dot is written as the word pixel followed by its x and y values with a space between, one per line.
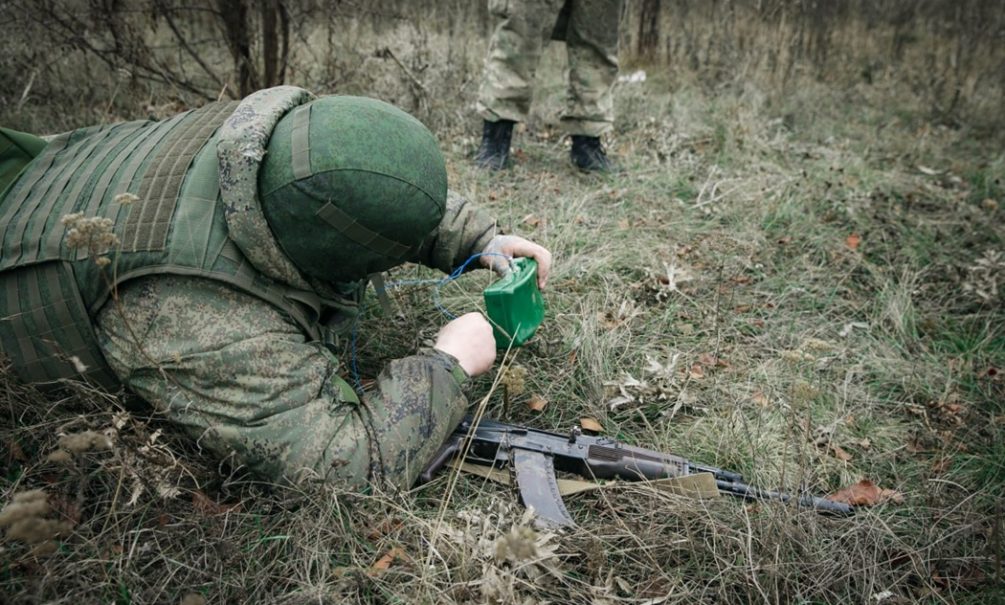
pixel 234 16
pixel 275 41
pixel 270 43
pixel 284 48
pixel 649 29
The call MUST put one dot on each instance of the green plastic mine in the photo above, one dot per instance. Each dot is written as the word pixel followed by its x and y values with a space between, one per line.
pixel 514 305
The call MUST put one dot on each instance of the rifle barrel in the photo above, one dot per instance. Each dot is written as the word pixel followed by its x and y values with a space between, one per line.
pixel 742 490
pixel 720 474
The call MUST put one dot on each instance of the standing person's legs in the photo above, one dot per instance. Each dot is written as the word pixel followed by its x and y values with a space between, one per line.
pixel 516 45
pixel 506 89
pixel 592 45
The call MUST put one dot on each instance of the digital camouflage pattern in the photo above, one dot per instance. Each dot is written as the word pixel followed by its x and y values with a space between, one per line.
pixel 525 26
pixel 251 389
pixel 241 360
pixel 241 148
pixel 465 230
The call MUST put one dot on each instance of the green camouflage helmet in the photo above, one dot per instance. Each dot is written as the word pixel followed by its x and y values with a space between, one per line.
pixel 351 186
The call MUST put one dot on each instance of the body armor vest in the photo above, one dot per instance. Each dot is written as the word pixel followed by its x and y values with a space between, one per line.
pixel 50 292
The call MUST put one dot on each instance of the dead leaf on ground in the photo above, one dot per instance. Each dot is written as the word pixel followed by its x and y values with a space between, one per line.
pixel 205 505
pixel 852 241
pixel 383 563
pixel 591 424
pixel 384 528
pixel 624 225
pixel 696 372
pixel 866 493
pixel 537 403
pixel 840 453
pixel 761 399
pixel 711 361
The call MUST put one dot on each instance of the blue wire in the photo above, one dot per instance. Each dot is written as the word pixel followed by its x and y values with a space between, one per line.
pixel 437 284
pixel 454 275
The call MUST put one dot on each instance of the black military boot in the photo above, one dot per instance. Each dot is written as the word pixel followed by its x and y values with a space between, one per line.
pixel 588 154
pixel 493 153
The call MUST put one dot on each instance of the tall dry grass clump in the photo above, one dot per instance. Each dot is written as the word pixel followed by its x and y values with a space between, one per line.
pixel 948 54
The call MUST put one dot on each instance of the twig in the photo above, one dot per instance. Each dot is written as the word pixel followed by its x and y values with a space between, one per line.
pixel 115 498
pixel 165 12
pixel 704 186
pixel 996 532
pixel 27 89
pixel 387 52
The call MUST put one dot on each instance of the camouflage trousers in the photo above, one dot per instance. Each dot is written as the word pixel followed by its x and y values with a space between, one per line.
pixel 590 30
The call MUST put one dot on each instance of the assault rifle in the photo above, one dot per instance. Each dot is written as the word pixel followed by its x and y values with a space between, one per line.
pixel 534 456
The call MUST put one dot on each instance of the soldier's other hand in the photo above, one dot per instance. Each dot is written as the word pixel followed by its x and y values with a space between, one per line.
pixel 501 248
pixel 469 339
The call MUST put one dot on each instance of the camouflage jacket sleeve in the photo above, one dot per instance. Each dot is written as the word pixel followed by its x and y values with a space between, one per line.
pixel 246 384
pixel 464 230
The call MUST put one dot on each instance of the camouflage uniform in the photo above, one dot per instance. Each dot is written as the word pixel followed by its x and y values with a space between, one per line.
pixel 233 343
pixel 248 385
pixel 590 29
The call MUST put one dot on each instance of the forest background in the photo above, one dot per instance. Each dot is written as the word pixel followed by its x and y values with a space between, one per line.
pixel 799 274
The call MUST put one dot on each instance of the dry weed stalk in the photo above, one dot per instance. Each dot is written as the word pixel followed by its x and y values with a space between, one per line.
pixel 26 519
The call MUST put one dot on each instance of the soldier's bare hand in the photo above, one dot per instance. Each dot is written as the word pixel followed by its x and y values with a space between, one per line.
pixel 469 339
pixel 501 248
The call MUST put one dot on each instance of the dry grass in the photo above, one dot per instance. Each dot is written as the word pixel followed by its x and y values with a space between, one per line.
pixel 706 300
